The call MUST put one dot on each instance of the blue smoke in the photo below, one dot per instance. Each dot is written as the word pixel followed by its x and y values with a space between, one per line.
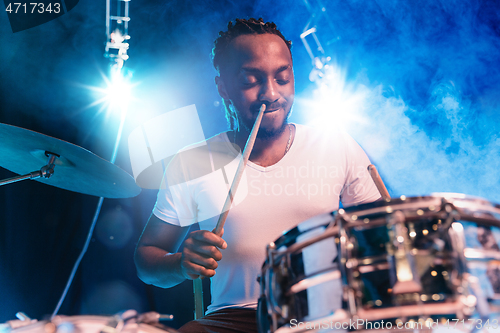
pixel 426 76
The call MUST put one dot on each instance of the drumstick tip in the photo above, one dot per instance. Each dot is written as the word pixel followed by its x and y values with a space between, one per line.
pixel 372 170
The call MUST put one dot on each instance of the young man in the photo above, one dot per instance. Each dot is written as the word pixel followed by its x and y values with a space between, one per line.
pixel 294 173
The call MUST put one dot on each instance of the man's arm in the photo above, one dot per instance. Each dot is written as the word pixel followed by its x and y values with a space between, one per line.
pixel 158 263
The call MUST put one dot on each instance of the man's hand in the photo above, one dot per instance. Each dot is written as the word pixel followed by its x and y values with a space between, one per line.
pixel 201 253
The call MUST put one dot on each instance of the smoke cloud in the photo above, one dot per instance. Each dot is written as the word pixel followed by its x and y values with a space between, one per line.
pixel 415 85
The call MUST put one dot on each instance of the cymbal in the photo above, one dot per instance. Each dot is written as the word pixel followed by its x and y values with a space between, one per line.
pixel 76 169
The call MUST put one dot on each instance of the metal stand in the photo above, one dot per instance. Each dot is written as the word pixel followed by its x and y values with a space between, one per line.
pixel 46 171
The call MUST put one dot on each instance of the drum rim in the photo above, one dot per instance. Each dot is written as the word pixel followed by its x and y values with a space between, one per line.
pixel 469 208
pixel 435 195
pixel 292 233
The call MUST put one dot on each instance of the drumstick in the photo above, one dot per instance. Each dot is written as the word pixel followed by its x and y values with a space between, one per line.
pixel 197 283
pixel 378 182
pixel 239 171
pixel 198 298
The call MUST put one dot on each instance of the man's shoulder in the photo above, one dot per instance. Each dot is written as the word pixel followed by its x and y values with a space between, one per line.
pixel 221 137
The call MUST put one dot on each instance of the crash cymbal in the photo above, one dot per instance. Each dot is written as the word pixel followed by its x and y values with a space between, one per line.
pixel 76 169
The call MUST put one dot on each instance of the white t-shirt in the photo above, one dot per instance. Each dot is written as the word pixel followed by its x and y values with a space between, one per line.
pixel 318 170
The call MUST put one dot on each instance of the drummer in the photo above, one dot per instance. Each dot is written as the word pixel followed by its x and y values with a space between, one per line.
pixel 294 173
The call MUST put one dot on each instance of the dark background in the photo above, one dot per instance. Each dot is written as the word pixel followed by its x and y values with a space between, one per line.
pixel 419 84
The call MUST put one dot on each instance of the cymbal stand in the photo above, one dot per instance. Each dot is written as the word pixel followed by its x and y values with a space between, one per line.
pixel 46 171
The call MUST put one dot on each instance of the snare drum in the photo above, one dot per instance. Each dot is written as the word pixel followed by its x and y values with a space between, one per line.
pixel 433 258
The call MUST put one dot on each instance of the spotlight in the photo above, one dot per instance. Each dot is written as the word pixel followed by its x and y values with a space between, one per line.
pixel 119 90
pixel 115 94
pixel 335 103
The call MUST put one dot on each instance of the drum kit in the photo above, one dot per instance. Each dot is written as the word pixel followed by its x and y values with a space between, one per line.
pixel 408 264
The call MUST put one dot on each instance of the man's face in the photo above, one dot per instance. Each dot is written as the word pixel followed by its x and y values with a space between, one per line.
pixel 260 72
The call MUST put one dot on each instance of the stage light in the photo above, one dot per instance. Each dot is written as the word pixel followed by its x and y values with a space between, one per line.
pixel 334 102
pixel 115 93
pixel 118 90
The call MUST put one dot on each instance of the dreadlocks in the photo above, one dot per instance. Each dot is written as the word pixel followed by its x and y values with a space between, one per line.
pixel 221 44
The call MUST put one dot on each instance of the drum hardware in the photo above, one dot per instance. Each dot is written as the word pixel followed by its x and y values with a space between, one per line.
pixel 408 311
pixel 451 216
pixel 481 302
pixel 153 317
pixel 457 237
pixel 406 259
pixel 368 264
pixel 296 248
pixel 278 280
pixel 401 257
pixel 283 269
pixel 45 172
pixel 126 322
pixel 348 292
pixel 117 322
pixel 22 320
pixel 313 280
pixel 481 255
pixel 269 296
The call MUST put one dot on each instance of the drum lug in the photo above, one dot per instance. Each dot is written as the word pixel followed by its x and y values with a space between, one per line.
pixel 457 237
pixel 284 311
pixel 406 274
pixel 350 298
pixel 478 300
